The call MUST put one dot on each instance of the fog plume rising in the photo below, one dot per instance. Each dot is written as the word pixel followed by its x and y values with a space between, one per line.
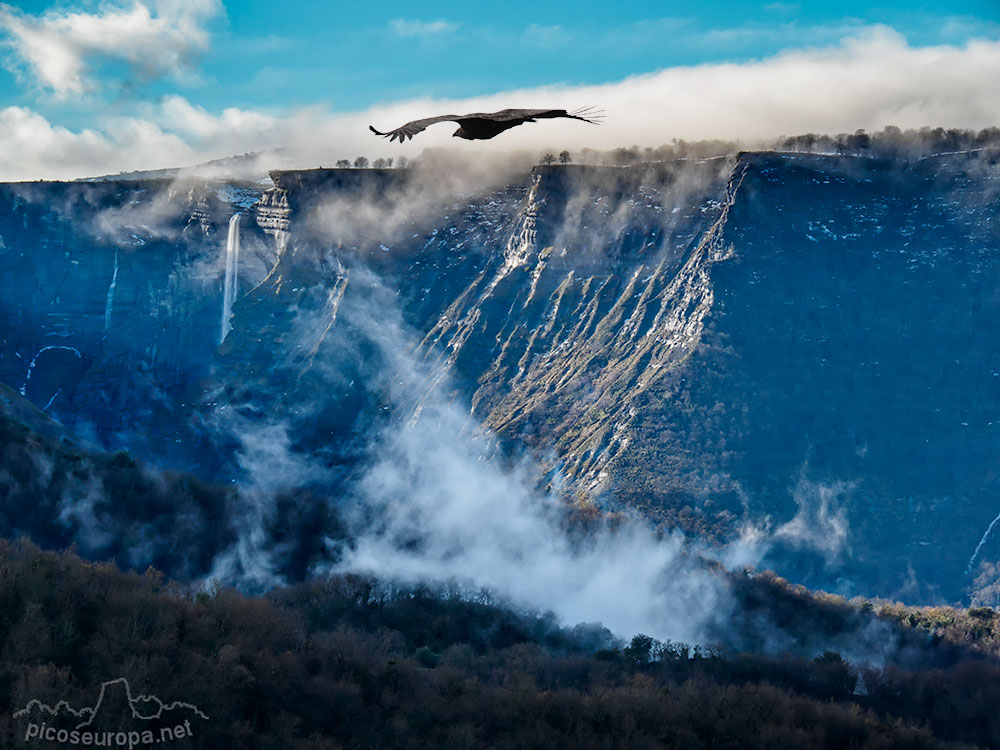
pixel 431 505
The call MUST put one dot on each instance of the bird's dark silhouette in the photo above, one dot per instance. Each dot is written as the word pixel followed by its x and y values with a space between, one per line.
pixel 480 126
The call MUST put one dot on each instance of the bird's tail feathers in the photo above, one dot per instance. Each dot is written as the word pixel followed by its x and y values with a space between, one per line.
pixel 591 114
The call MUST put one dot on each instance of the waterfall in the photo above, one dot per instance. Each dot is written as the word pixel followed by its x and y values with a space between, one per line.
pixel 232 269
pixel 979 546
pixel 111 295
pixel 281 241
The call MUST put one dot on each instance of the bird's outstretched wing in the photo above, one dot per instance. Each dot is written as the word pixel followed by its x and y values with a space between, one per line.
pixel 410 129
pixel 587 114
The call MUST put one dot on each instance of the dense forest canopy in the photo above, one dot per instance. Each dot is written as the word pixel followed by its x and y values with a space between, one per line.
pixel 352 662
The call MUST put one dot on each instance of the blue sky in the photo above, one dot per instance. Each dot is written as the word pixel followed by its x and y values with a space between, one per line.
pixel 90 65
pixel 352 55
pixel 355 58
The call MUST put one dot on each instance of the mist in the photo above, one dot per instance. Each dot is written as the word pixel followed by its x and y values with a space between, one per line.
pixel 432 504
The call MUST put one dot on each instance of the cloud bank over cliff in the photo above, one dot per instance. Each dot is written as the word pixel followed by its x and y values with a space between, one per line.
pixel 868 80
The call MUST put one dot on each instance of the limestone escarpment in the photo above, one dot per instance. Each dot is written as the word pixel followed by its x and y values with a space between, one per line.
pixel 803 343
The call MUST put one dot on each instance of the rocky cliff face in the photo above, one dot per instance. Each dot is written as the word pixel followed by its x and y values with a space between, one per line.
pixel 801 344
pixel 111 310
pixel 564 335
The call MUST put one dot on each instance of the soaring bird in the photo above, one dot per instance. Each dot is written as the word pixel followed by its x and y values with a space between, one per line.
pixel 480 126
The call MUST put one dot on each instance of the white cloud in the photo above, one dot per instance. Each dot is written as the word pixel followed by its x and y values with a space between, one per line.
pixel 36 149
pixel 968 27
pixel 867 81
pixel 154 38
pixel 546 36
pixel 180 116
pixel 775 35
pixel 821 521
pixel 409 28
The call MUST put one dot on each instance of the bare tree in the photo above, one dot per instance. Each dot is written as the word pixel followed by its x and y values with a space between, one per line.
pixel 361 163
pixel 402 162
pixel 343 163
pixel 379 163
pixel 564 157
pixel 547 159
pixel 861 141
pixel 623 156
